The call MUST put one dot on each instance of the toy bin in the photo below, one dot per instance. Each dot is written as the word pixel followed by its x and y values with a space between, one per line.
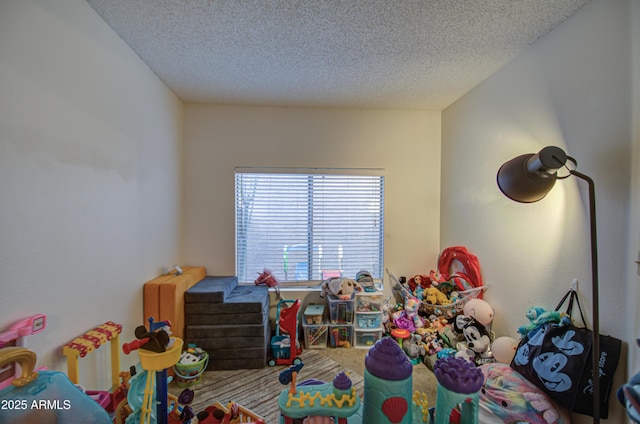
pixel 340 310
pixel 367 338
pixel 316 335
pixel 190 374
pixel 341 335
pixel 314 314
pixel 368 302
pixel 368 320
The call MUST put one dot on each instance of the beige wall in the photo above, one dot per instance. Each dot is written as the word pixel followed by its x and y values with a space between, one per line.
pixel 405 143
pixel 89 178
pixel 570 89
pixel 633 250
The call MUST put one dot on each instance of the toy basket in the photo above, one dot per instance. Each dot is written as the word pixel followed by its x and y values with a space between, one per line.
pixel 454 308
pixel 191 374
pixel 449 310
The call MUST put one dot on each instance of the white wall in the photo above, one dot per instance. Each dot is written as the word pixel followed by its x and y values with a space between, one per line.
pixel 633 268
pixel 405 143
pixel 570 89
pixel 89 178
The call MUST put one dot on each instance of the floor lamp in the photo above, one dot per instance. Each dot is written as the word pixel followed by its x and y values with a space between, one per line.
pixel 528 178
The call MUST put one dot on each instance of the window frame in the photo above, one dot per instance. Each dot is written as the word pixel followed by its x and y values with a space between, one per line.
pixel 379 173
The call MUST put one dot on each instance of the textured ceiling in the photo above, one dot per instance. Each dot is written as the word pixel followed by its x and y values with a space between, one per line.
pixel 420 54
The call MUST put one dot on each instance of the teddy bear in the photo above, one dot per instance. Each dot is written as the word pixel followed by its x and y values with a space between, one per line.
pixel 340 287
pixel 434 296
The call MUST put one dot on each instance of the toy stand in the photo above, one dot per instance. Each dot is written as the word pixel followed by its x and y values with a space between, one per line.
pixel 93 339
pixel 158 362
pixel 287 320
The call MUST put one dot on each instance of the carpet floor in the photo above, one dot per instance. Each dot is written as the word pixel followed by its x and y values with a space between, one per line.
pixel 257 389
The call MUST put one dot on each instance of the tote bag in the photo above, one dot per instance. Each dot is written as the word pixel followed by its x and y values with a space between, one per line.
pixel 558 359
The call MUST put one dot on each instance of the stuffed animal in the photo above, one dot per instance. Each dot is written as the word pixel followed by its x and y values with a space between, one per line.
pixel 629 395
pixel 411 312
pixel 480 310
pixel 538 317
pixel 434 296
pixel 413 346
pixel 476 339
pixel 340 287
pixel 409 318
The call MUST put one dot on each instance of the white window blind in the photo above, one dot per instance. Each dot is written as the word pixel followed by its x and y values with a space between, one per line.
pixel 307 227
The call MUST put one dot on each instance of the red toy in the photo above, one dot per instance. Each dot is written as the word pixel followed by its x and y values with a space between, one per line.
pixel 285 347
pixel 232 413
pixel 267 278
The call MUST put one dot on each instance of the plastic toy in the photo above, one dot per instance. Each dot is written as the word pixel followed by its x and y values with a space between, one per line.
pixel 16 336
pixel 230 414
pixel 388 396
pixel 185 414
pixel 317 401
pixel 459 383
pixel 81 346
pixel 365 279
pixel 284 345
pixel 43 396
pixel 191 366
pixel 156 356
pixel 461 267
pixel 267 278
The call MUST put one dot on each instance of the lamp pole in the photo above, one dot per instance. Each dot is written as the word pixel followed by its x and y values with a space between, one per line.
pixel 595 331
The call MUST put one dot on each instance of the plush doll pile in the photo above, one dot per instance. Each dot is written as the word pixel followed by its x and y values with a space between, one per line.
pixel 442 313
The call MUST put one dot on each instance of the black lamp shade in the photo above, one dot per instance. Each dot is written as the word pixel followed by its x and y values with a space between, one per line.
pixel 528 178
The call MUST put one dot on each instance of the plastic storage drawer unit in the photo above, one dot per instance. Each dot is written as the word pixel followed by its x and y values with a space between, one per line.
pixel 341 335
pixel 315 335
pixel 340 310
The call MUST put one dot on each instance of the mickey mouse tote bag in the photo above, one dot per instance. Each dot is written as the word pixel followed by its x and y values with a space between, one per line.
pixel 557 359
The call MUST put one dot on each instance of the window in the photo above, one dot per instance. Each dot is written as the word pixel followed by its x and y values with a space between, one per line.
pixel 306 227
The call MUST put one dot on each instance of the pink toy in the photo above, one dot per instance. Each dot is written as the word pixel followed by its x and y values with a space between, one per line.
pixel 267 278
pixel 479 309
pixel 15 335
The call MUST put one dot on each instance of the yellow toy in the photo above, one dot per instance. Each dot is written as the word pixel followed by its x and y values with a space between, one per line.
pixel 435 297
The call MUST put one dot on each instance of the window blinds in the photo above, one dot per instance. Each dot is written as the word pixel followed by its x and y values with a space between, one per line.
pixel 306 227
